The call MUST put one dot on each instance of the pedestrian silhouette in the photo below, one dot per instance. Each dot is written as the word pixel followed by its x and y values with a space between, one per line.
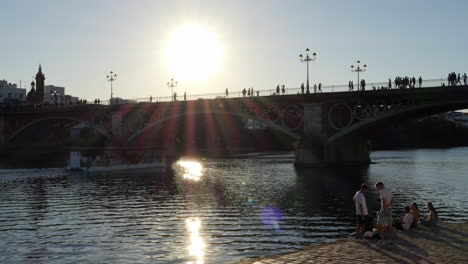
pixel 185 96
pixel 175 96
pixel 227 93
pixel 302 88
pixel 315 88
pixel 244 92
pixel 283 90
pixel 277 89
pixel 151 99
pixel 320 87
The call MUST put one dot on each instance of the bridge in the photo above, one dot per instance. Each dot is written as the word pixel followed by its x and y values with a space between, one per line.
pixel 330 127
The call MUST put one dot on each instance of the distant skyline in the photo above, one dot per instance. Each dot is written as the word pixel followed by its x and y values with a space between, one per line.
pixel 79 42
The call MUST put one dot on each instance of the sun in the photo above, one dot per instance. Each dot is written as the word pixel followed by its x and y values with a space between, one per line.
pixel 193 53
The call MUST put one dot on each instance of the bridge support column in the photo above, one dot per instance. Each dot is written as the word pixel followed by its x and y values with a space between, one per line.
pixel 314 151
pixel 2 133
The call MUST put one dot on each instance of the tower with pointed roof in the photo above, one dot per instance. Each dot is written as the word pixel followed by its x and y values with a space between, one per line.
pixel 40 85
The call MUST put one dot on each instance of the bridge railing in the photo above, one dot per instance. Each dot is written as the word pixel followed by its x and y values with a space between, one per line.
pixel 268 92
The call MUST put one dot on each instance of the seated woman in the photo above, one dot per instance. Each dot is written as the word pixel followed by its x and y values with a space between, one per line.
pixel 432 218
pixel 416 214
pixel 406 222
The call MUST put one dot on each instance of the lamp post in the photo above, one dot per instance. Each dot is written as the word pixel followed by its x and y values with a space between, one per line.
pixel 307 59
pixel 111 78
pixel 55 95
pixel 171 85
pixel 358 69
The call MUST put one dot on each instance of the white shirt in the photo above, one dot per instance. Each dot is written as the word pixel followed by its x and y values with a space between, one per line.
pixel 407 221
pixel 360 199
pixel 387 195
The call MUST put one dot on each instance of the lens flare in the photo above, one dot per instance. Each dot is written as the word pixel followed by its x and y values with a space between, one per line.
pixel 271 215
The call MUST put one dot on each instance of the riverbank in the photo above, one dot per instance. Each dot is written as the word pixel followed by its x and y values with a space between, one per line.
pixel 446 243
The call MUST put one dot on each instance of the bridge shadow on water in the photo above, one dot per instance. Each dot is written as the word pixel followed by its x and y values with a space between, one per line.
pixel 327 190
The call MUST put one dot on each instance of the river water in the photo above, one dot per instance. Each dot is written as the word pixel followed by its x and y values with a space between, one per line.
pixel 211 211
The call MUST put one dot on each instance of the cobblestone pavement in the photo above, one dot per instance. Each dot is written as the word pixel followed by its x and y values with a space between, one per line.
pixel 446 243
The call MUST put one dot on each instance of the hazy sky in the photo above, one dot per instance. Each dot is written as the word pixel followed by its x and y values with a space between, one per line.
pixel 79 42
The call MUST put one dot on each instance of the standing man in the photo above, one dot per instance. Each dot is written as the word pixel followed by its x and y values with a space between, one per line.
pixel 420 81
pixel 384 220
pixel 227 93
pixel 361 211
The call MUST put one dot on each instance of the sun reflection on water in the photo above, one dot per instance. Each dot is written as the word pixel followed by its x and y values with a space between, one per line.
pixel 192 170
pixel 197 246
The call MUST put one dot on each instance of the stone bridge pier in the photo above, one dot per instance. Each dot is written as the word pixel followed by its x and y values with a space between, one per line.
pixel 316 150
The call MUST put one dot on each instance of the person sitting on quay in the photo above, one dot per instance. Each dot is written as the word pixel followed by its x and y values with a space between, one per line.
pixel 416 214
pixel 384 218
pixel 407 220
pixel 361 211
pixel 432 217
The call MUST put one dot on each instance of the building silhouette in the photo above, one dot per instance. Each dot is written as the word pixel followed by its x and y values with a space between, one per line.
pixel 40 86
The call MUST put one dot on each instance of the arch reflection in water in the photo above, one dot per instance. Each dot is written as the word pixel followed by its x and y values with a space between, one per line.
pixel 191 170
pixel 197 246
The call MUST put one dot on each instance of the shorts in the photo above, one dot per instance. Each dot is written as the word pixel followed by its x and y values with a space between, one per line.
pixel 385 217
pixel 360 221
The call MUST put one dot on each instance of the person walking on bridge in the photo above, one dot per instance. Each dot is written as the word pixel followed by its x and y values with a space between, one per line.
pixel 227 93
pixel 302 88
pixel 363 85
pixel 420 81
pixel 465 79
pixel 320 87
pixel 244 92
pixel 283 89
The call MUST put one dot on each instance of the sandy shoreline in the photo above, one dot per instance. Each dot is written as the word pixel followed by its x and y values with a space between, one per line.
pixel 446 243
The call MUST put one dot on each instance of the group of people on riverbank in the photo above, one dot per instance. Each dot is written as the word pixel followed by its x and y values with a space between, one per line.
pixel 366 226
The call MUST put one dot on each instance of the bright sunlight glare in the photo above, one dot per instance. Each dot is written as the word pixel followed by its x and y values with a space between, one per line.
pixel 193 53
pixel 192 170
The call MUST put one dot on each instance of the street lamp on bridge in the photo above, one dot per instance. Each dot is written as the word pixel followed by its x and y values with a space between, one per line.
pixel 358 69
pixel 307 59
pixel 171 85
pixel 111 78
pixel 55 95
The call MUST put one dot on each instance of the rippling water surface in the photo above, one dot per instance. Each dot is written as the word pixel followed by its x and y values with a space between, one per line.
pixel 211 211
